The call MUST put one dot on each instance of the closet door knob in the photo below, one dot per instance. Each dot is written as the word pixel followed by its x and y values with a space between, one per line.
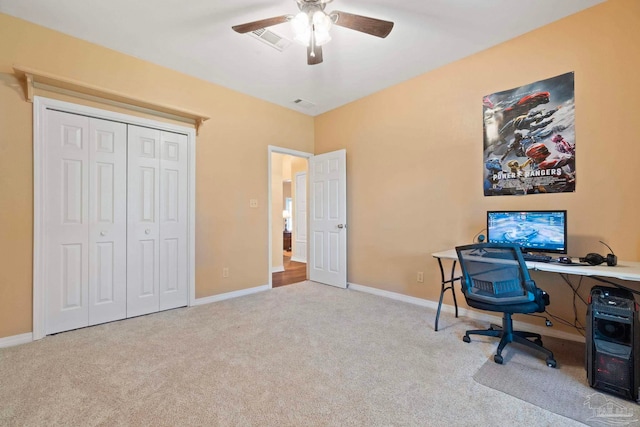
pixel 147 231
pixel 103 233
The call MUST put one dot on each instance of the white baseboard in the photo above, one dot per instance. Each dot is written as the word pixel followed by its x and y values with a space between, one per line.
pixel 229 295
pixel 16 340
pixel 296 259
pixel 277 269
pixel 471 314
pixel 397 296
pixel 28 337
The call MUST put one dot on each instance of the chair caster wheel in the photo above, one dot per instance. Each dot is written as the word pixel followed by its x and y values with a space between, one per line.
pixel 498 359
pixel 551 363
pixel 466 339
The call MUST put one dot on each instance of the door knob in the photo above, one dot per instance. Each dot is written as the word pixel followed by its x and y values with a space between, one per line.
pixel 103 233
pixel 147 231
pixel 340 225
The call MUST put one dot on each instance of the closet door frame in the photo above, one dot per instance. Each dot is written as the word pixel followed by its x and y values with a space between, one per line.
pixel 40 107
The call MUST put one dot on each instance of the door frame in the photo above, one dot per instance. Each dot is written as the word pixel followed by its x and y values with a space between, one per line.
pixel 280 150
pixel 40 106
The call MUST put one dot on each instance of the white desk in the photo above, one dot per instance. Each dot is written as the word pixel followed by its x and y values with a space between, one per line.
pixel 625 270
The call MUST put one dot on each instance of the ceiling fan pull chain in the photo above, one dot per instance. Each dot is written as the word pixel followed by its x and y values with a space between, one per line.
pixel 313 41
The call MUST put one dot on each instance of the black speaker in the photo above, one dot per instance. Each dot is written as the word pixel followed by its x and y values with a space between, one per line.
pixel 613 342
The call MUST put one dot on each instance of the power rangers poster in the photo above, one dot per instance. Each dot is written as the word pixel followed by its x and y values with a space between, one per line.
pixel 529 139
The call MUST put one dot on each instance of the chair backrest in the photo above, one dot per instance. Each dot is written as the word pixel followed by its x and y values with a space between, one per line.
pixel 495 274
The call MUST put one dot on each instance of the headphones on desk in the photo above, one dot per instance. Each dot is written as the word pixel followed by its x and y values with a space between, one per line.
pixel 597 259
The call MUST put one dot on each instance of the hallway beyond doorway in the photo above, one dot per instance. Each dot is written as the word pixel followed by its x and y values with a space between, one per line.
pixel 294 272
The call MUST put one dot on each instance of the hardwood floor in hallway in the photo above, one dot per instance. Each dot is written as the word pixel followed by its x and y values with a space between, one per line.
pixel 294 272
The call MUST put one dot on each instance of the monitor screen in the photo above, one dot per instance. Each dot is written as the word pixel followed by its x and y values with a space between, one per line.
pixel 533 231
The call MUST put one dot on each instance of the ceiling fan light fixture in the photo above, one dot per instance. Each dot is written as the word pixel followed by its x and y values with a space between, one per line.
pixel 305 22
pixel 301 28
pixel 321 21
pixel 322 38
pixel 321 26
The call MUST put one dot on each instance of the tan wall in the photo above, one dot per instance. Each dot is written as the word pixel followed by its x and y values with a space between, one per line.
pixel 414 153
pixel 286 193
pixel 16 209
pixel 231 160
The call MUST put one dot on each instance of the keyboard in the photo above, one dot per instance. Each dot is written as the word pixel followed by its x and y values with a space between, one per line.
pixel 537 257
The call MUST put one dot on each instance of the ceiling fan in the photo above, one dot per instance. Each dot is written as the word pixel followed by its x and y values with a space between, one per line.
pixel 311 26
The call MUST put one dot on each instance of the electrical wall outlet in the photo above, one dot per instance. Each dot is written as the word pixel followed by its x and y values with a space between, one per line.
pixel 420 277
pixel 225 272
pixel 253 203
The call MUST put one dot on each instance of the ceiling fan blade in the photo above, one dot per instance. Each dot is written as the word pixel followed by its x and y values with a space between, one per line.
pixel 263 23
pixel 314 55
pixel 364 24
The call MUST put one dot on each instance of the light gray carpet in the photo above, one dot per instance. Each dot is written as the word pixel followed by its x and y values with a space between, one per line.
pixel 563 390
pixel 300 355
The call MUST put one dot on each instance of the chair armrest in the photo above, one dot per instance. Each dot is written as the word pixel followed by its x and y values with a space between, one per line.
pixel 544 297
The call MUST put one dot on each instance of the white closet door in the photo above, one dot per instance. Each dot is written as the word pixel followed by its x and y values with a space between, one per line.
pixel 107 221
pixel 86 230
pixel 173 221
pixel 143 281
pixel 66 207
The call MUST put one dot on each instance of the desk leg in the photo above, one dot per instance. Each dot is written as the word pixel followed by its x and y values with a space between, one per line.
pixel 446 285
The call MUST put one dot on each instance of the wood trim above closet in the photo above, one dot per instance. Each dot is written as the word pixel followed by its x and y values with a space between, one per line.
pixel 39 79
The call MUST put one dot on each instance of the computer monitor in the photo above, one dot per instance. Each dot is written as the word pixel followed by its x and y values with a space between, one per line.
pixel 533 230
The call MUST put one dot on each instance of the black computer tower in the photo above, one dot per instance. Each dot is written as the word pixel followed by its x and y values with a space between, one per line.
pixel 613 342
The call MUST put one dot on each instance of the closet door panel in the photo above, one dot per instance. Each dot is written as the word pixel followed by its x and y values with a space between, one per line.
pixel 108 221
pixel 66 212
pixel 143 281
pixel 173 221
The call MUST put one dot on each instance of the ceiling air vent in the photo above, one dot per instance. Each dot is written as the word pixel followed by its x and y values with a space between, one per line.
pixel 304 104
pixel 271 38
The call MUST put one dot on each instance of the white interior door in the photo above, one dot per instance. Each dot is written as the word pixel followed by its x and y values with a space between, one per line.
pixel 85 231
pixel 327 219
pixel 66 206
pixel 143 281
pixel 300 225
pixel 107 221
pixel 157 271
pixel 173 221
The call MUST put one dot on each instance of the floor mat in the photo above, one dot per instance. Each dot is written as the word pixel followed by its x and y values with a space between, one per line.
pixel 564 390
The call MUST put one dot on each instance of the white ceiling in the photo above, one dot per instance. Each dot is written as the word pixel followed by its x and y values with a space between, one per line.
pixel 195 37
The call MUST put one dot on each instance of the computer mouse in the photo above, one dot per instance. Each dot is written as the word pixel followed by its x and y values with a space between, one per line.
pixel 564 260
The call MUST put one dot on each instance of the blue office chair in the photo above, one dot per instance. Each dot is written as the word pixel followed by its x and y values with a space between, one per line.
pixel 495 278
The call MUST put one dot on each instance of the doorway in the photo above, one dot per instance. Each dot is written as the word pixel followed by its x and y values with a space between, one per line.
pixel 326 251
pixel 288 219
